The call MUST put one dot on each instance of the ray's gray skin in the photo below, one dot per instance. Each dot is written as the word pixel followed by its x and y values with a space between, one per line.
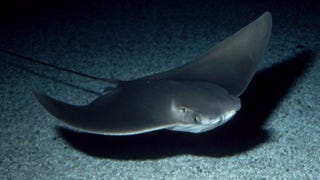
pixel 195 97
pixel 145 105
pixel 231 63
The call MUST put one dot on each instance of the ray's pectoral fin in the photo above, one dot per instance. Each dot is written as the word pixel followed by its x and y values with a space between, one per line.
pixel 73 115
pixel 231 63
pixel 101 116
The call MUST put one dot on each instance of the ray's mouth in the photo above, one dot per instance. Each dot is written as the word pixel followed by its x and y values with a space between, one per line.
pixel 205 125
pixel 220 120
pixel 229 115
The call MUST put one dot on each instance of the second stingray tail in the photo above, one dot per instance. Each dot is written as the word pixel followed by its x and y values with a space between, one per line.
pixel 75 116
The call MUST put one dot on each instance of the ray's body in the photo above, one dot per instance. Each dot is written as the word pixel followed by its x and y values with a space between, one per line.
pixel 195 97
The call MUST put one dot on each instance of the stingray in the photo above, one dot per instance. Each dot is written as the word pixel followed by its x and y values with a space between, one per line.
pixel 196 97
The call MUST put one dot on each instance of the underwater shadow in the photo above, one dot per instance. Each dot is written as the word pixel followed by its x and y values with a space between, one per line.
pixel 242 133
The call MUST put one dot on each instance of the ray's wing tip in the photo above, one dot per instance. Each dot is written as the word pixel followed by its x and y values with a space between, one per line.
pixel 38 95
pixel 35 92
pixel 43 99
pixel 266 17
pixel 267 14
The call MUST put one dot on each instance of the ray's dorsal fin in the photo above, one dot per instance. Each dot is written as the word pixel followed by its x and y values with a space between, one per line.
pixel 231 63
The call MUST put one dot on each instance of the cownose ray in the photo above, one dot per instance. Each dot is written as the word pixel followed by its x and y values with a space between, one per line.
pixel 195 97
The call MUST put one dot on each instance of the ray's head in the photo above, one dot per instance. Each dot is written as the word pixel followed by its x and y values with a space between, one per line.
pixel 203 107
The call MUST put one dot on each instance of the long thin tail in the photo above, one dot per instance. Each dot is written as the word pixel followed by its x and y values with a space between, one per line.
pixel 21 57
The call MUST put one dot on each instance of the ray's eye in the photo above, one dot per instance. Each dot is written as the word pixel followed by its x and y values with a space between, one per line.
pixel 197 119
pixel 183 109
